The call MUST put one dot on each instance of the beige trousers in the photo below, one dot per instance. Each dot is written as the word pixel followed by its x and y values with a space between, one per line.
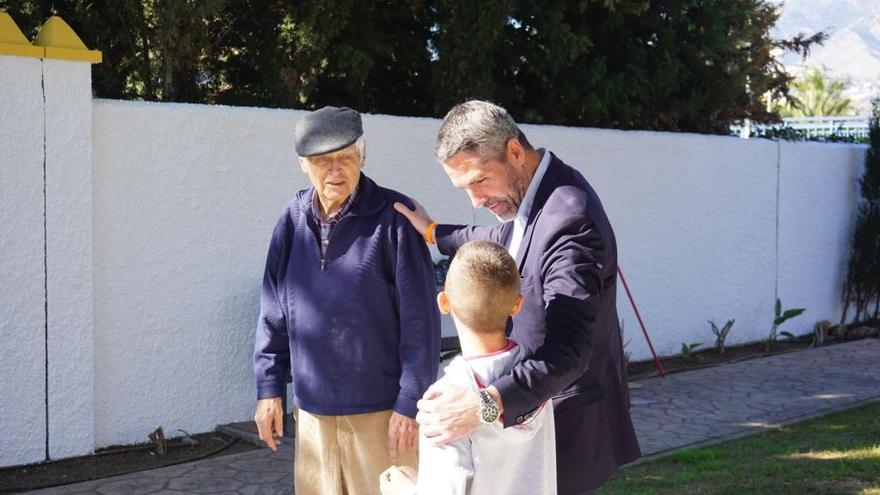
pixel 342 455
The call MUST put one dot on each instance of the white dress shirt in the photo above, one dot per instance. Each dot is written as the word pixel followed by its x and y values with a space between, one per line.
pixel 525 207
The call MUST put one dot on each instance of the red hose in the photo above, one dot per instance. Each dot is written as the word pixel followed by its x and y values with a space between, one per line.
pixel 639 317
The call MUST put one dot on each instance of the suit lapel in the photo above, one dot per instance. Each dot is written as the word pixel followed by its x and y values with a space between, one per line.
pixel 548 184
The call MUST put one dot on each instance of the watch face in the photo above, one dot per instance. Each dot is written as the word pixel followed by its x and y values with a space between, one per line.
pixel 490 414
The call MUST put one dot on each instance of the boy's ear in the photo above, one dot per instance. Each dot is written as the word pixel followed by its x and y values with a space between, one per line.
pixel 443 302
pixel 517 305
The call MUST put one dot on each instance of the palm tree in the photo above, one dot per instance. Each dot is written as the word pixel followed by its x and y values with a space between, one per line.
pixel 817 96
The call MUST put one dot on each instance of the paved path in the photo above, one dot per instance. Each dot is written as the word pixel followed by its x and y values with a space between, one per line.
pixel 750 396
pixel 683 409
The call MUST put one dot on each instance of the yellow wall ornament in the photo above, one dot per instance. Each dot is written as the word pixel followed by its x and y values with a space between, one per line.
pixel 55 40
pixel 13 41
pixel 60 41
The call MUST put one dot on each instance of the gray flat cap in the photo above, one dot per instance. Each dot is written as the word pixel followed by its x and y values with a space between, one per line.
pixel 327 130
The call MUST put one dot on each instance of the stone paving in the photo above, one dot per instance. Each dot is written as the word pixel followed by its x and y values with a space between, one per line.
pixel 750 396
pixel 699 406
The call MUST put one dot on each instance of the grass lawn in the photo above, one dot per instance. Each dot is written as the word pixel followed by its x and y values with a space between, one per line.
pixel 835 454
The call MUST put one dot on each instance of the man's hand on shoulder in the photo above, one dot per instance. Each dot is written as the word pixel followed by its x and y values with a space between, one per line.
pixel 448 412
pixel 419 217
pixel 270 421
pixel 403 433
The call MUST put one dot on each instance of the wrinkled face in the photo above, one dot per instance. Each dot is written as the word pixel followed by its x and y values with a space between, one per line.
pixel 334 175
pixel 492 184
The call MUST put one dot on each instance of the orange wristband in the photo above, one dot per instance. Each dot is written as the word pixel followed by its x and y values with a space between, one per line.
pixel 429 233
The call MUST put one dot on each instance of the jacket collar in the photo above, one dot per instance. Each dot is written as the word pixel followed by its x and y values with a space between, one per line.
pixel 548 184
pixel 369 199
pixel 545 188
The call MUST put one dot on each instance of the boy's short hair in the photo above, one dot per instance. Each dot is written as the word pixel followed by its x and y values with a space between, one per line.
pixel 482 285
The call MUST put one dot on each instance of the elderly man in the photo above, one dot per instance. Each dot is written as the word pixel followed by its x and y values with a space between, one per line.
pixel 555 227
pixel 348 308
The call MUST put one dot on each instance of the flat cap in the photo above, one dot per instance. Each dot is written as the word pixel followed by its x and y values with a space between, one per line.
pixel 327 130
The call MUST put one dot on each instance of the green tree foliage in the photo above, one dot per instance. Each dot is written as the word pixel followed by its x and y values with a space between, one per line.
pixel 817 95
pixel 690 65
pixel 378 61
pixel 862 284
pixel 469 38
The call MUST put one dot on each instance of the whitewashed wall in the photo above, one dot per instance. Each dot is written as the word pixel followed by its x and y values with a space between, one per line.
pixel 818 191
pixel 695 223
pixel 182 200
pixel 185 199
pixel 70 321
pixel 22 279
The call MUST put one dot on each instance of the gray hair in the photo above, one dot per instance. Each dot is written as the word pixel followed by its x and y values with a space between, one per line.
pixel 361 147
pixel 477 127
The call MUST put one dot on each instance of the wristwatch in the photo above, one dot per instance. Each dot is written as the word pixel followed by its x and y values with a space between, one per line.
pixel 488 411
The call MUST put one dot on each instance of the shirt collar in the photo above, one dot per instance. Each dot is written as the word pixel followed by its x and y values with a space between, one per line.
pixel 525 206
pixel 316 206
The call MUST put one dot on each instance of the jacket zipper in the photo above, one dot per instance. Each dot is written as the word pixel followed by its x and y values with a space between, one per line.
pixel 327 247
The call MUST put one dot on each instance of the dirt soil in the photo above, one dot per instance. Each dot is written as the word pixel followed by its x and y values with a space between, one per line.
pixel 117 460
pixel 709 357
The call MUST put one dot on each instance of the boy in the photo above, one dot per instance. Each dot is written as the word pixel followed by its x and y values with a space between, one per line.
pixel 482 291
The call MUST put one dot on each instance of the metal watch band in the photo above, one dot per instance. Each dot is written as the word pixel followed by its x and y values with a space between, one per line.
pixel 488 412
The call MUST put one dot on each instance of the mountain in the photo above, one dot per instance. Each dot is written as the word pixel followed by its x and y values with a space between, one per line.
pixel 851 52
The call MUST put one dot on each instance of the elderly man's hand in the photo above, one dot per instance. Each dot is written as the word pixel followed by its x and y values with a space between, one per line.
pixel 403 433
pixel 447 412
pixel 270 421
pixel 419 217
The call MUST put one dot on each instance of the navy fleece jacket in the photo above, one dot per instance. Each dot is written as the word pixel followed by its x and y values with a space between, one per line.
pixel 360 329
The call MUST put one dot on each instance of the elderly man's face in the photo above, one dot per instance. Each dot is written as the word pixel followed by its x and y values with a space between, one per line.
pixel 334 175
pixel 498 186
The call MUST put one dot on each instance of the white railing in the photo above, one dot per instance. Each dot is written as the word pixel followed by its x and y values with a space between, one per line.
pixel 856 126
pixel 812 127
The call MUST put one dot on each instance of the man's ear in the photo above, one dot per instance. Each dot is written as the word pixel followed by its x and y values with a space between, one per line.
pixel 517 306
pixel 302 165
pixel 364 156
pixel 516 153
pixel 443 302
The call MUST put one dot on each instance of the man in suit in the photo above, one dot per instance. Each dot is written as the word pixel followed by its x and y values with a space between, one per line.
pixel 556 229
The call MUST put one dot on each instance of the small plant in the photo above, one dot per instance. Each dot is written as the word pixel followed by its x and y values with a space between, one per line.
pixel 687 351
pixel 721 334
pixel 780 318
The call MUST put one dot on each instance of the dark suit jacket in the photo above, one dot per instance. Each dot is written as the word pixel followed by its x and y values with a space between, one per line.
pixel 568 263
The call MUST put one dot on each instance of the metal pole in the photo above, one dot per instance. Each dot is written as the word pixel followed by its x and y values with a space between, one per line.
pixel 632 301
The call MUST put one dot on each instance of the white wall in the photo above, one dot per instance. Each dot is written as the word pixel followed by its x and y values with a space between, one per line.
pixel 185 198
pixel 68 108
pixel 22 280
pixel 818 190
pixel 695 222
pixel 182 200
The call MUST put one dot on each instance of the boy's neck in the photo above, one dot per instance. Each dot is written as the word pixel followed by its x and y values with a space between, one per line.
pixel 476 345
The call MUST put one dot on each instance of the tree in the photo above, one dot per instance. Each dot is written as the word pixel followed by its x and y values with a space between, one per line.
pixel 378 60
pixel 468 38
pixel 862 284
pixel 679 65
pixel 816 95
